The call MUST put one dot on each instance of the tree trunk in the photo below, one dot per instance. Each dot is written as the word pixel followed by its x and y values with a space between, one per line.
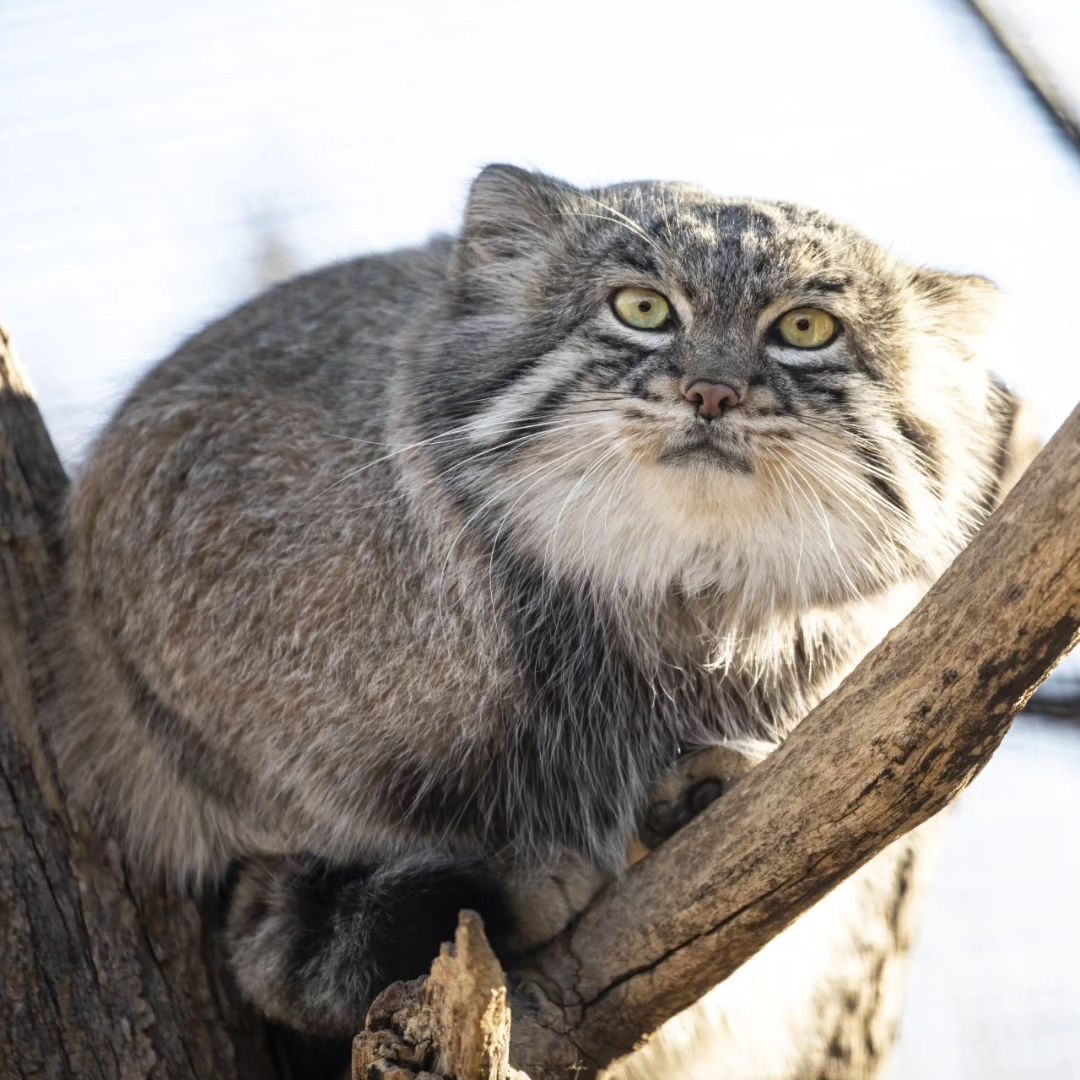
pixel 101 979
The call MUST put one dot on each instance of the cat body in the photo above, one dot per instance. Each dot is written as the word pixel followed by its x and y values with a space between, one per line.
pixel 412 577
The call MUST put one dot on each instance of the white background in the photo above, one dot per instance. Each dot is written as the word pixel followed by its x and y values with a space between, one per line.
pixel 159 161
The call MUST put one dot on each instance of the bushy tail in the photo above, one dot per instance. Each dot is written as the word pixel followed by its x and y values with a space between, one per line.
pixel 311 943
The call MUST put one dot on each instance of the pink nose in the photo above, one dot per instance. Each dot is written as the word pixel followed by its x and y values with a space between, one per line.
pixel 711 399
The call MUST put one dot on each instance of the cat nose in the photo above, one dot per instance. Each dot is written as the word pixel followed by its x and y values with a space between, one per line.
pixel 711 399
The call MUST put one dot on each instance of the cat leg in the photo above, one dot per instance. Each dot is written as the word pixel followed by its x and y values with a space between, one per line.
pixel 547 898
pixel 311 943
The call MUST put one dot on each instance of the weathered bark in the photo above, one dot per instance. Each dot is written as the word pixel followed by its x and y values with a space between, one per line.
pixel 455 1022
pixel 102 979
pixel 99 979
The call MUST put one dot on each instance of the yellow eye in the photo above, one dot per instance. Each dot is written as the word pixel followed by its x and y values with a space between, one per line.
pixel 642 309
pixel 807 328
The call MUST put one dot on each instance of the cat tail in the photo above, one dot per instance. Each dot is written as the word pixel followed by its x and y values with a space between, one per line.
pixel 311 943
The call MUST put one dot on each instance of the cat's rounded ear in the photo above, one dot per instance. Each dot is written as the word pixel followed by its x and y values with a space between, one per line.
pixel 511 212
pixel 963 309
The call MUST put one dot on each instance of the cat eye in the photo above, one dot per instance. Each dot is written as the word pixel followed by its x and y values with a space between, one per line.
pixel 807 328
pixel 642 309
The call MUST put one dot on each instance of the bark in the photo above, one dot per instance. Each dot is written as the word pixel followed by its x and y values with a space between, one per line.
pixel 455 1022
pixel 100 979
pixel 104 979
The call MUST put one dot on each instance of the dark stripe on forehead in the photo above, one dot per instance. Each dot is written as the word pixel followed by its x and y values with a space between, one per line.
pixel 625 243
pixel 826 285
pixel 739 218
pixel 635 257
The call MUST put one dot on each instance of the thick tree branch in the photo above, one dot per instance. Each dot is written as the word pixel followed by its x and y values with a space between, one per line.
pixel 903 735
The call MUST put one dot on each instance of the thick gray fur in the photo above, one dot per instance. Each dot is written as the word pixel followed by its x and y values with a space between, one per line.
pixel 414 558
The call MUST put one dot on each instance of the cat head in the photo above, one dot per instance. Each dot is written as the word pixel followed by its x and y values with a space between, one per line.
pixel 649 387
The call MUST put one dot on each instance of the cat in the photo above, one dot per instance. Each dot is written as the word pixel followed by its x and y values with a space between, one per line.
pixel 405 583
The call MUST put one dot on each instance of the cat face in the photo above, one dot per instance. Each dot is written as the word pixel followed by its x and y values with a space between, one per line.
pixel 652 387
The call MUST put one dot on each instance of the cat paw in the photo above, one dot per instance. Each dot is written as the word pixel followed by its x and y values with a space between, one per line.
pixel 546 899
pixel 698 779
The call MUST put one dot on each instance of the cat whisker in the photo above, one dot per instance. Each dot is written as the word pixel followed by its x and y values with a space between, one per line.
pixel 548 469
pixel 805 484
pixel 570 496
pixel 533 436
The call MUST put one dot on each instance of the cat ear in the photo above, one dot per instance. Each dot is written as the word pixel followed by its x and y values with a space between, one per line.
pixel 511 212
pixel 961 308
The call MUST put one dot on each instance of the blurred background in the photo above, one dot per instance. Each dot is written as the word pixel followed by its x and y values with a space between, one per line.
pixel 161 162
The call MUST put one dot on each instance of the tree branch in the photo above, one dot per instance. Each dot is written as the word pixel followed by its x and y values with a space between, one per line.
pixel 902 736
pixel 456 1020
pixel 1032 71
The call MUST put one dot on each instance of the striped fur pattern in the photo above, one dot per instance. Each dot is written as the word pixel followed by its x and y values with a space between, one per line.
pixel 422 565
